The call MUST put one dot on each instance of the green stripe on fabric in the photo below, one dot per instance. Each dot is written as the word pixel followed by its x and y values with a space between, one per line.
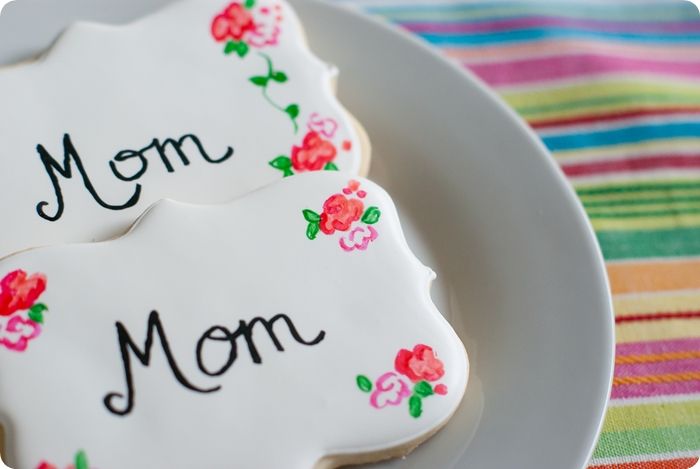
pixel 650 243
pixel 648 441
pixel 637 187
pixel 638 417
pixel 636 202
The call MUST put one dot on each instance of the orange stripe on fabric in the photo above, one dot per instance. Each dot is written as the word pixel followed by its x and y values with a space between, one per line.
pixel 683 463
pixel 656 357
pixel 653 379
pixel 654 276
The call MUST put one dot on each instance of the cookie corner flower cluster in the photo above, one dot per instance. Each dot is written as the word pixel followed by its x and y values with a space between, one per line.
pixel 21 315
pixel 346 214
pixel 413 378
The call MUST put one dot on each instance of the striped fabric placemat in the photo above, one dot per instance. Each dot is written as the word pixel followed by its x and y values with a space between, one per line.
pixel 613 89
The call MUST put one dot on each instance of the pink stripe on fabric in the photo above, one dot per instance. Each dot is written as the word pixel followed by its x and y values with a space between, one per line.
pixel 566 66
pixel 659 389
pixel 658 368
pixel 657 346
pixel 631 164
pixel 680 27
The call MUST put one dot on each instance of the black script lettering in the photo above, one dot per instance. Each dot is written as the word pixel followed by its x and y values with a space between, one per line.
pixel 222 334
pixel 176 145
pixel 126 155
pixel 127 345
pixel 65 170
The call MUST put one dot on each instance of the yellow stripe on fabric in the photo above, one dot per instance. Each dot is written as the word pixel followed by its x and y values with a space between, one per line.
pixel 637 417
pixel 657 330
pixel 605 105
pixel 409 14
pixel 652 207
pixel 609 89
pixel 633 304
pixel 659 146
pixel 669 221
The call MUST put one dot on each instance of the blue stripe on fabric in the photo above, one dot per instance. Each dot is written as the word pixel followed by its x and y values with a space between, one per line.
pixel 537 34
pixel 621 136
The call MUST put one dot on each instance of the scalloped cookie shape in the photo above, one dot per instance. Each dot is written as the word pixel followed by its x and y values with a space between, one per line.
pixel 200 102
pixel 289 328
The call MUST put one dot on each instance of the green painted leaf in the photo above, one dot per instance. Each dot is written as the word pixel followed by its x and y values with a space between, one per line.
pixel 249 4
pixel 36 317
pixel 311 216
pixel 38 308
pixel 279 77
pixel 292 110
pixel 364 383
pixel 312 230
pixel 36 313
pixel 423 389
pixel 415 406
pixel 281 162
pixel 284 164
pixel 371 216
pixel 242 49
pixel 231 47
pixel 81 461
pixel 330 166
pixel 259 81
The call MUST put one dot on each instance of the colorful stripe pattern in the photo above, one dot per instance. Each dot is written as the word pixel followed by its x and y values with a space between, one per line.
pixel 613 89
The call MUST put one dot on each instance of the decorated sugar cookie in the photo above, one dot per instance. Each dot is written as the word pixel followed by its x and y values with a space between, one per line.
pixel 290 328
pixel 201 102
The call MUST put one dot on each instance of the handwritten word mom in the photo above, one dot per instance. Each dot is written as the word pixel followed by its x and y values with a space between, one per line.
pixel 71 160
pixel 214 334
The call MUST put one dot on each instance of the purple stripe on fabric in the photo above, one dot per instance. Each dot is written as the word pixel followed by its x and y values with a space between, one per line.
pixel 658 346
pixel 658 368
pixel 466 27
pixel 566 66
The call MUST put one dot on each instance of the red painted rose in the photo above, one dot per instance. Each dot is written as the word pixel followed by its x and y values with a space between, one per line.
pixel 18 292
pixel 314 153
pixel 419 364
pixel 339 213
pixel 233 23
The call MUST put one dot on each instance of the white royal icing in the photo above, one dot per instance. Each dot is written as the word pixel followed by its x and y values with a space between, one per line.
pixel 363 362
pixel 89 133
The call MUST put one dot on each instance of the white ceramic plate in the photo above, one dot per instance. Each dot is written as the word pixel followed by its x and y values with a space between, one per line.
pixel 520 274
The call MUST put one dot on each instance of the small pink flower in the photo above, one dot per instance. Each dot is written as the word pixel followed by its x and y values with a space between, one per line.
pixel 358 238
pixel 390 389
pixel 16 332
pixel 267 29
pixel 326 127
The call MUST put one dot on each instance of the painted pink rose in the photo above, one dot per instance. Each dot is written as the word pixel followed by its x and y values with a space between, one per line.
pixel 322 126
pixel 358 238
pixel 313 154
pixel 233 23
pixel 390 389
pixel 339 213
pixel 419 364
pixel 16 332
pixel 267 27
pixel 19 291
